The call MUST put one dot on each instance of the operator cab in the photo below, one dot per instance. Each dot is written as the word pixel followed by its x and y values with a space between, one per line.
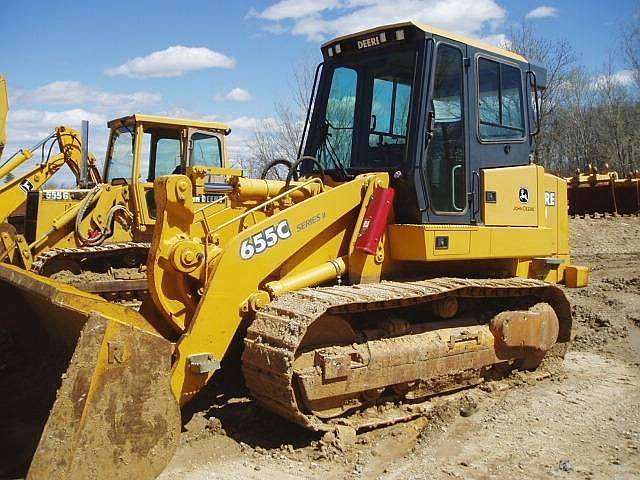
pixel 429 107
pixel 167 146
pixel 145 147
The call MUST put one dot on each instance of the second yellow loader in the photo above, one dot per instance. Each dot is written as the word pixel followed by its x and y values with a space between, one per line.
pixel 98 238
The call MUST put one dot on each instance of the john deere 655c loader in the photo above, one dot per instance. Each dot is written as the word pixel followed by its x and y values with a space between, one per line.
pixel 418 252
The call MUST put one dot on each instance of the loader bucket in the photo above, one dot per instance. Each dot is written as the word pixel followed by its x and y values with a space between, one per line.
pixel 604 194
pixel 590 200
pixel 113 415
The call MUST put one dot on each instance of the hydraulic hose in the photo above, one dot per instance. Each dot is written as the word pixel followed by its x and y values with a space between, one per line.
pixel 104 234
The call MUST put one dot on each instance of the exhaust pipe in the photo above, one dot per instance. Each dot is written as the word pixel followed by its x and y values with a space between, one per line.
pixel 84 162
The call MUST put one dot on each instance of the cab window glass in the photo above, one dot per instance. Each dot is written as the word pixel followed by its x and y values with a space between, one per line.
pixel 389 112
pixel 335 149
pixel 206 150
pixel 500 101
pixel 120 161
pixel 167 156
pixel 391 79
pixel 145 157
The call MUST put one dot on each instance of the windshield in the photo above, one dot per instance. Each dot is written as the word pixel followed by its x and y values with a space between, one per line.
pixel 120 160
pixel 363 122
pixel 206 150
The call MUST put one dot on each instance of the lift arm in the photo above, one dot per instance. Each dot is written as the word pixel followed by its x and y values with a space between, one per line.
pixel 236 268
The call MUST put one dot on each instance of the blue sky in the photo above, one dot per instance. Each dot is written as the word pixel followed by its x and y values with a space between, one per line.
pixel 229 60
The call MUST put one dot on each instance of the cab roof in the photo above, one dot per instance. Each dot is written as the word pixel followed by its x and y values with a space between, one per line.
pixel 218 127
pixel 428 29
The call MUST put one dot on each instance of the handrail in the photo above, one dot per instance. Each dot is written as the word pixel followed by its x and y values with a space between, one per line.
pixel 209 204
pixel 453 187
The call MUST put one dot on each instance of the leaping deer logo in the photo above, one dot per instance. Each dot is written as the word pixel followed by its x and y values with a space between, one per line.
pixel 523 195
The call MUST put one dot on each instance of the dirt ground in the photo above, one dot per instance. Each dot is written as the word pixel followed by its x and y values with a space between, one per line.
pixel 579 419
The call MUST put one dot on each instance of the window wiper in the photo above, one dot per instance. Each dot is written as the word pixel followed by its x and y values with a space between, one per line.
pixel 325 144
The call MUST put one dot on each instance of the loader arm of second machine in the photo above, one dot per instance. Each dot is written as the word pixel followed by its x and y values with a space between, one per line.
pixel 14 193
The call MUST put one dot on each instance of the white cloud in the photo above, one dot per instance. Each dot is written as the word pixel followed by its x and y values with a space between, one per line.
pixel 250 123
pixel 295 9
pixel 234 95
pixel 497 39
pixel 242 136
pixel 172 62
pixel 25 127
pixel 623 78
pixel 70 92
pixel 327 19
pixel 275 28
pixel 543 11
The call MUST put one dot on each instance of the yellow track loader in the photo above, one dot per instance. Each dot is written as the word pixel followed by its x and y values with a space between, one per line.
pixel 98 238
pixel 603 192
pixel 418 252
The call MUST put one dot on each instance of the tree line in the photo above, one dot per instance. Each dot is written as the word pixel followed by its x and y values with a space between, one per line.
pixel 587 117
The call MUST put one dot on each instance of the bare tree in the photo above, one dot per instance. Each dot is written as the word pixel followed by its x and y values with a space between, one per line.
pixel 559 59
pixel 631 47
pixel 571 130
pixel 280 136
pixel 586 118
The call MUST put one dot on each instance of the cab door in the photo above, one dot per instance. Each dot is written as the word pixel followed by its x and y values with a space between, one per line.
pixel 500 131
pixel 161 151
pixel 446 166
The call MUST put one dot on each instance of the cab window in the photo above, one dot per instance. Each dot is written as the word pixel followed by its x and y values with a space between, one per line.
pixel 120 160
pixel 161 154
pixel 389 111
pixel 168 157
pixel 500 101
pixel 335 149
pixel 206 150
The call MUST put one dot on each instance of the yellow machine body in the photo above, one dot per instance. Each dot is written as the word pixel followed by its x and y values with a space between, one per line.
pixel 324 223
pixel 120 211
pixel 14 193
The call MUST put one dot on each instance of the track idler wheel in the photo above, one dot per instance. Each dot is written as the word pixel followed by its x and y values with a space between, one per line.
pixel 525 334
